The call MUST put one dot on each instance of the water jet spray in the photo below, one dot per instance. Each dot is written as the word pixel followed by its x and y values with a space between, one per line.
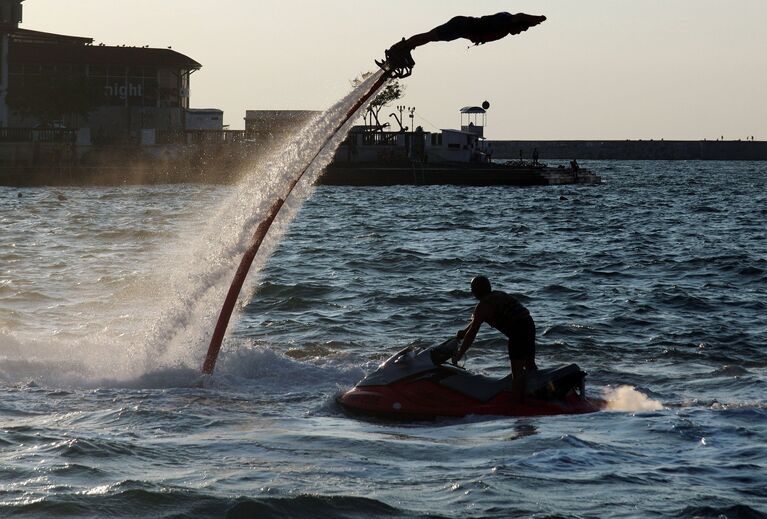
pixel 399 63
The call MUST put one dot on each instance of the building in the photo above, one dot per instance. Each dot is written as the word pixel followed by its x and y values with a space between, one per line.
pixel 204 119
pixel 113 92
pixel 10 18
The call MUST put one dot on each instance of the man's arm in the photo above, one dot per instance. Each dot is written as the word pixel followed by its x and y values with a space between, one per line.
pixel 470 333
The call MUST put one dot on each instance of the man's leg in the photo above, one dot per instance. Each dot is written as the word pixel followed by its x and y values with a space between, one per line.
pixel 518 379
pixel 522 356
pixel 530 364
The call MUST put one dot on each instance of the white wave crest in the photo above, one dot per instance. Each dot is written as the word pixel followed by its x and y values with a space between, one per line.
pixel 628 399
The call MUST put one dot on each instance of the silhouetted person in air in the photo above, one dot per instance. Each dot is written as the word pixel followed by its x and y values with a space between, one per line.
pixel 507 315
pixel 477 30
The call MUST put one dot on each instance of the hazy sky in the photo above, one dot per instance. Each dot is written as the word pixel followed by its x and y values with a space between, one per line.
pixel 611 69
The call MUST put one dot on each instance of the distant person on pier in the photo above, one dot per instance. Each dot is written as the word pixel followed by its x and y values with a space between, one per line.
pixel 535 156
pixel 507 315
pixel 574 165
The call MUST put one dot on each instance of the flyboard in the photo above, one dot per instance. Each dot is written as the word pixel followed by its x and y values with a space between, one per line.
pixel 399 63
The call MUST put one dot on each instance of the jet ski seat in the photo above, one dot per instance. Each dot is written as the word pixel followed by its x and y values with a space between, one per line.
pixel 478 387
pixel 544 378
pixel 549 381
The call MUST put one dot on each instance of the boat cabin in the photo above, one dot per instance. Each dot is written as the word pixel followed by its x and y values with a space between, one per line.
pixel 375 144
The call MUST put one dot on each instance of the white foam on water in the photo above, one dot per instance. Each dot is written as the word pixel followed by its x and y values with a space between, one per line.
pixel 628 399
pixel 163 321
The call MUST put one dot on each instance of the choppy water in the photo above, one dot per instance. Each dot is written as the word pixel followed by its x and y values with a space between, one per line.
pixel 656 280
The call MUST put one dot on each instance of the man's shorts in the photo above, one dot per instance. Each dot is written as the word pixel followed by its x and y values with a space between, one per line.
pixel 521 338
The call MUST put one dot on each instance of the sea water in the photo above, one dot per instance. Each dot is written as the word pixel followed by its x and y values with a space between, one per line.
pixel 655 283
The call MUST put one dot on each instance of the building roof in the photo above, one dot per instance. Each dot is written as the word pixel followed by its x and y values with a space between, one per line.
pixel 279 114
pixel 473 110
pixel 25 35
pixel 66 53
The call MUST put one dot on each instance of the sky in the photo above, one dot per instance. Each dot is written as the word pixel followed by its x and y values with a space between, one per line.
pixel 596 69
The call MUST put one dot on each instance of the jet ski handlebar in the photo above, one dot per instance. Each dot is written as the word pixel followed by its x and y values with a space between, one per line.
pixel 444 352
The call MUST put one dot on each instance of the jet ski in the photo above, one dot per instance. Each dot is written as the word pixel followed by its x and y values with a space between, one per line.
pixel 416 383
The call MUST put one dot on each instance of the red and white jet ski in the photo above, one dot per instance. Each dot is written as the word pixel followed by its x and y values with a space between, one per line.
pixel 415 383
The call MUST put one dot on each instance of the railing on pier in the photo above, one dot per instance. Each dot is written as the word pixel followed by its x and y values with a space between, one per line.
pixel 47 135
pixel 69 136
pixel 205 136
pixel 380 138
pixel 218 136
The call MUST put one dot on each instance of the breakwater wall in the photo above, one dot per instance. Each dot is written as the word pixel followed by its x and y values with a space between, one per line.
pixel 632 150
pixel 46 163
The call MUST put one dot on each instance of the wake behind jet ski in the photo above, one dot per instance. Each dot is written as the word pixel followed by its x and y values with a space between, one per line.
pixel 416 384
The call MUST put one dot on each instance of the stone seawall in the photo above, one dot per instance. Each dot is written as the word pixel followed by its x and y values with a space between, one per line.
pixel 34 164
pixel 632 150
pixel 48 163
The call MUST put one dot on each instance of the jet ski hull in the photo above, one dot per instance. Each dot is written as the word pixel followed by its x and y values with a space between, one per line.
pixel 416 383
pixel 423 400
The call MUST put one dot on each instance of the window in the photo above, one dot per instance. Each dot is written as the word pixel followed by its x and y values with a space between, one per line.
pixel 97 71
pixel 116 71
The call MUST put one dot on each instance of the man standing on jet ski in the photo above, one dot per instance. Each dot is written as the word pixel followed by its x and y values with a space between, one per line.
pixel 507 315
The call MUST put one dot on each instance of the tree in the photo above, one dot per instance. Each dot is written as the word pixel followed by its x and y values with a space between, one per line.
pixel 391 92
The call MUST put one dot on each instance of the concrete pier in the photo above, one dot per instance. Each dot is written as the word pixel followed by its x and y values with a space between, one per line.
pixel 633 150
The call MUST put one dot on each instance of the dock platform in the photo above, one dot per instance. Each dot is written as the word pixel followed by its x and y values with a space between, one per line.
pixel 355 174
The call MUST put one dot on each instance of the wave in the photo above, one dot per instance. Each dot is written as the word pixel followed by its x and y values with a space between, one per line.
pixel 320 507
pixel 729 371
pixel 138 499
pixel 728 512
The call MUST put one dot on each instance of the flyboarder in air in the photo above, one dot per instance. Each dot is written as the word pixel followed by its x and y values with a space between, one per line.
pixel 477 30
